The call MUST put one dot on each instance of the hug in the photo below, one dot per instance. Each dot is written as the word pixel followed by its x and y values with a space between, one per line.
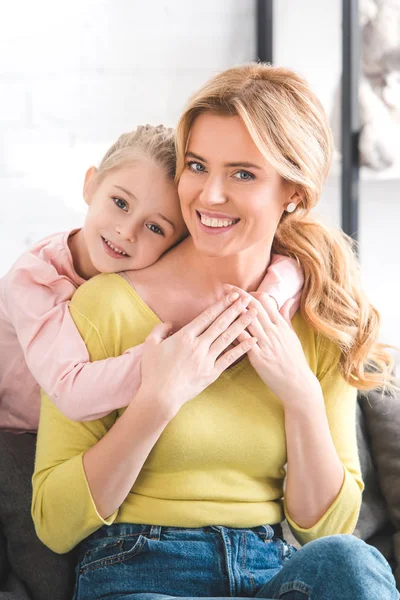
pixel 190 360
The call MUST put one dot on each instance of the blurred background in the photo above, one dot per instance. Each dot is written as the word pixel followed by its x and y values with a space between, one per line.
pixel 75 75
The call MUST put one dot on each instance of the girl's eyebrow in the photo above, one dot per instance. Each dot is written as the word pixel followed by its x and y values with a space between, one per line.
pixel 245 164
pixel 127 192
pixel 167 220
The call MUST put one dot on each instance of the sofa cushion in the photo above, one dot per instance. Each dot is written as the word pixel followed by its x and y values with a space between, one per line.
pixel 382 421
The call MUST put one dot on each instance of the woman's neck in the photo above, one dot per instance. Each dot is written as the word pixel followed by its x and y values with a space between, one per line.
pixel 245 270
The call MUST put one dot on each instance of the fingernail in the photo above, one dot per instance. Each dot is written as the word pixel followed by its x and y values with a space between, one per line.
pixel 232 297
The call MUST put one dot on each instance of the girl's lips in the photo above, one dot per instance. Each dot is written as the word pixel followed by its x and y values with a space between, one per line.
pixel 214 230
pixel 112 252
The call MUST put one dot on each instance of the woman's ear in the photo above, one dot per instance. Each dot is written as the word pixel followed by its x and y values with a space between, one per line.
pixel 296 198
pixel 88 185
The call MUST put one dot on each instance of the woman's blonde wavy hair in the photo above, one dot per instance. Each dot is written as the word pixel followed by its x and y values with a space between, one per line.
pixel 290 128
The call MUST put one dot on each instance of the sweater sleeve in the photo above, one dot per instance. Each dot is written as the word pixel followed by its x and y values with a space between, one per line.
pixel 38 304
pixel 283 280
pixel 340 403
pixel 63 510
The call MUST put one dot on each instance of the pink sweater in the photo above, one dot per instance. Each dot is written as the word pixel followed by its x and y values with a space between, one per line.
pixel 41 347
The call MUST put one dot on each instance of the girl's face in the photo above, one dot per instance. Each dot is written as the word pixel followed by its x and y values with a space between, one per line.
pixel 231 197
pixel 133 217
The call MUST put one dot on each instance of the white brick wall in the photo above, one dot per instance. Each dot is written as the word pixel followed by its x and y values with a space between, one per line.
pixel 74 75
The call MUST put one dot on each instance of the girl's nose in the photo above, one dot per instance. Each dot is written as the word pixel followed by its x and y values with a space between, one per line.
pixel 127 232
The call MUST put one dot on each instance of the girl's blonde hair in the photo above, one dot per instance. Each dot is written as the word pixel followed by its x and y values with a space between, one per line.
pixel 153 142
pixel 289 126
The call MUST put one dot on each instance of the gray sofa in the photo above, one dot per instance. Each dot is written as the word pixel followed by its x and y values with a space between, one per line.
pixel 378 428
pixel 378 433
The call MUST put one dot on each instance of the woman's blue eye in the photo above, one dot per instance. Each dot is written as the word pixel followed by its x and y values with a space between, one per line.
pixel 121 203
pixel 155 228
pixel 244 176
pixel 196 166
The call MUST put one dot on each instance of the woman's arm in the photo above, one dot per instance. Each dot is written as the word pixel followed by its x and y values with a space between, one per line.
pixel 175 369
pixel 323 485
pixel 84 471
pixel 323 492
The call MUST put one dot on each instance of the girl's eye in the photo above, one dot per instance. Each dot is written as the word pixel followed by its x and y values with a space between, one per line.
pixel 121 203
pixel 196 167
pixel 244 176
pixel 155 228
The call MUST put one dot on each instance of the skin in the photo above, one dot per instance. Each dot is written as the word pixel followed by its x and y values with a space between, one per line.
pixel 136 208
pixel 182 356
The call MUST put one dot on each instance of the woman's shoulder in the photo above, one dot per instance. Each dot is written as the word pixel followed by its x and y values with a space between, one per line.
pixel 100 288
pixel 107 309
pixel 102 295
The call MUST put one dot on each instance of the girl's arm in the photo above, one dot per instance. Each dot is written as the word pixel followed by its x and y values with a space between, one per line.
pixel 84 470
pixel 283 281
pixel 37 300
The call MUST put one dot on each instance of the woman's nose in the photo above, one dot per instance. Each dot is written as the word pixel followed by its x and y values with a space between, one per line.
pixel 213 192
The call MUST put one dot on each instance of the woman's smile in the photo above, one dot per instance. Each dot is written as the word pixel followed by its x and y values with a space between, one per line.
pixel 215 223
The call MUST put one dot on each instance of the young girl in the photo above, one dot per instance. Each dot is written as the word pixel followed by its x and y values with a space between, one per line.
pixel 133 218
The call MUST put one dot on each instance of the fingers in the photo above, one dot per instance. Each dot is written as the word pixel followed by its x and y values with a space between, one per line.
pixel 269 304
pixel 159 333
pixel 224 321
pixel 207 317
pixel 227 359
pixel 256 329
pixel 231 333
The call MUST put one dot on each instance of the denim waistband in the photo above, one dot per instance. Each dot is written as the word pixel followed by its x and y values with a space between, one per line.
pixel 155 531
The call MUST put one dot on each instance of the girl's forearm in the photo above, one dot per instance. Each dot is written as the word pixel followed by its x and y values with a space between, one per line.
pixel 314 472
pixel 114 463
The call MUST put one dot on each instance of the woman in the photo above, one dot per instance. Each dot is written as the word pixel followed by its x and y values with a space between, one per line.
pixel 182 493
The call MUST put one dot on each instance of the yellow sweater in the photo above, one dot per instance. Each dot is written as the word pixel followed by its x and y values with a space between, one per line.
pixel 219 461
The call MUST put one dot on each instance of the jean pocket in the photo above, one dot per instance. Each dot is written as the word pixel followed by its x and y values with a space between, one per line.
pixel 285 550
pixel 110 551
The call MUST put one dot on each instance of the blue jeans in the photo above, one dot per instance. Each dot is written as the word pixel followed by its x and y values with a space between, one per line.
pixel 143 562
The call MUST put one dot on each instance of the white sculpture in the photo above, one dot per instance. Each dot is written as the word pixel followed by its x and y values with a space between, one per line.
pixel 379 92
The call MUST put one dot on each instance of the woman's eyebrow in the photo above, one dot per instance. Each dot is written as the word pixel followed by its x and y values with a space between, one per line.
pixel 245 164
pixel 197 156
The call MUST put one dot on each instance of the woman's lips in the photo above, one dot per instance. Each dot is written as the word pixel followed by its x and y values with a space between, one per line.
pixel 214 230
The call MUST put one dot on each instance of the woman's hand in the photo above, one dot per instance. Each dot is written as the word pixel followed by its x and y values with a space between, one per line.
pixel 278 356
pixel 176 368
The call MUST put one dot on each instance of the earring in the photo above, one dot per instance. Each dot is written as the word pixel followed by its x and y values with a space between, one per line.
pixel 290 207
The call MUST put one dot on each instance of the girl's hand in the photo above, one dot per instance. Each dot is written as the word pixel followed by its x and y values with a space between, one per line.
pixel 278 356
pixel 176 368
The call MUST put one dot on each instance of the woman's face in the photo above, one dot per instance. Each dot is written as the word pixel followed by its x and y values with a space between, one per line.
pixel 231 197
